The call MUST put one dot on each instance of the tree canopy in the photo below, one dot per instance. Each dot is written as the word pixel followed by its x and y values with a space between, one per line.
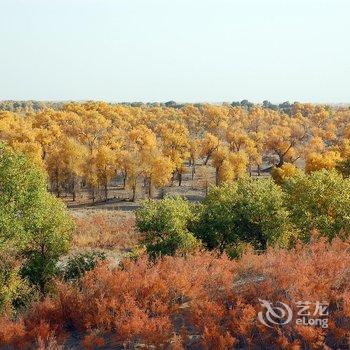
pixel 34 225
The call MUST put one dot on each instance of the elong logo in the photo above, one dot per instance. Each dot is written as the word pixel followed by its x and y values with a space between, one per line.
pixel 274 315
pixel 282 314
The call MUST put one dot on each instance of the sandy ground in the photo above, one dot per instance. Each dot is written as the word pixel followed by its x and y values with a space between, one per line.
pixel 119 199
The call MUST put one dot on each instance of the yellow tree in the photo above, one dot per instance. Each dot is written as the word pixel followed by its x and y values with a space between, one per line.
pixel 215 118
pixel 285 139
pixel 91 128
pixel 229 165
pixel 175 144
pixel 195 145
pixel 143 159
pixel 103 163
pixel 65 161
pixel 157 171
pixel 237 139
pixel 19 134
pixel 209 144
pixel 326 160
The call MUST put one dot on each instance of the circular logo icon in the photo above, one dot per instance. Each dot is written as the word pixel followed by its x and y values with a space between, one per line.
pixel 271 315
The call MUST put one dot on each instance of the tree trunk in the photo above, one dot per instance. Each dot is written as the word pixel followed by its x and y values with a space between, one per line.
pixel 124 180
pixel 106 191
pixel 150 189
pixel 180 178
pixel 133 199
pixel 281 161
pixel 42 284
pixel 93 194
pixel 73 189
pixel 217 180
pixel 58 188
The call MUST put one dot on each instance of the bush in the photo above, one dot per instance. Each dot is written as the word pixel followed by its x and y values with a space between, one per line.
pixel 250 211
pixel 14 290
pixel 79 264
pixel 200 301
pixel 321 201
pixel 165 224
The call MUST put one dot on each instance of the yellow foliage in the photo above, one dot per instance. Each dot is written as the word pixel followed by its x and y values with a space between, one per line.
pixel 92 142
pixel 285 172
pixel 317 161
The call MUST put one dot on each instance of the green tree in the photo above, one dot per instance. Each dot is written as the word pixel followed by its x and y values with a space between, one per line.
pixel 246 211
pixel 165 224
pixel 321 201
pixel 48 228
pixel 34 225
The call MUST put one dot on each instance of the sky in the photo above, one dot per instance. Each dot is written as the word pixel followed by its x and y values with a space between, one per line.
pixel 182 50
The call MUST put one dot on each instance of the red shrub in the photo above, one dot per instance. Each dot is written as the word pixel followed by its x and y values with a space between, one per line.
pixel 201 301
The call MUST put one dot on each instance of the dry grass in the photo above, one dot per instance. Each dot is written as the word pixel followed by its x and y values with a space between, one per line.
pixel 105 230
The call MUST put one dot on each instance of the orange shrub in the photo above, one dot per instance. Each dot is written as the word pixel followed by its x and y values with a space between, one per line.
pixel 202 301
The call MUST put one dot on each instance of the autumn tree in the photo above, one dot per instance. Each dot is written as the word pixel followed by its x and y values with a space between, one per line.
pixel 209 144
pixel 285 138
pixel 103 162
pixel 158 171
pixel 175 145
pixel 215 118
pixel 229 165
pixel 325 160
pixel 194 150
pixel 143 158
pixel 65 163
pixel 19 134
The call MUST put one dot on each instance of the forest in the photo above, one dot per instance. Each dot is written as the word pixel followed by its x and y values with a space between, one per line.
pixel 87 146
pixel 161 226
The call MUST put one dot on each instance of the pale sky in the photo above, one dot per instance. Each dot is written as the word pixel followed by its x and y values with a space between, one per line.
pixel 182 50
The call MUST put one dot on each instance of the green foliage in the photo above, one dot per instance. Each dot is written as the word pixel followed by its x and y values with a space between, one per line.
pixel 319 201
pixel 14 290
pixel 165 224
pixel 22 184
pixel 79 264
pixel 250 211
pixel 34 225
pixel 49 227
